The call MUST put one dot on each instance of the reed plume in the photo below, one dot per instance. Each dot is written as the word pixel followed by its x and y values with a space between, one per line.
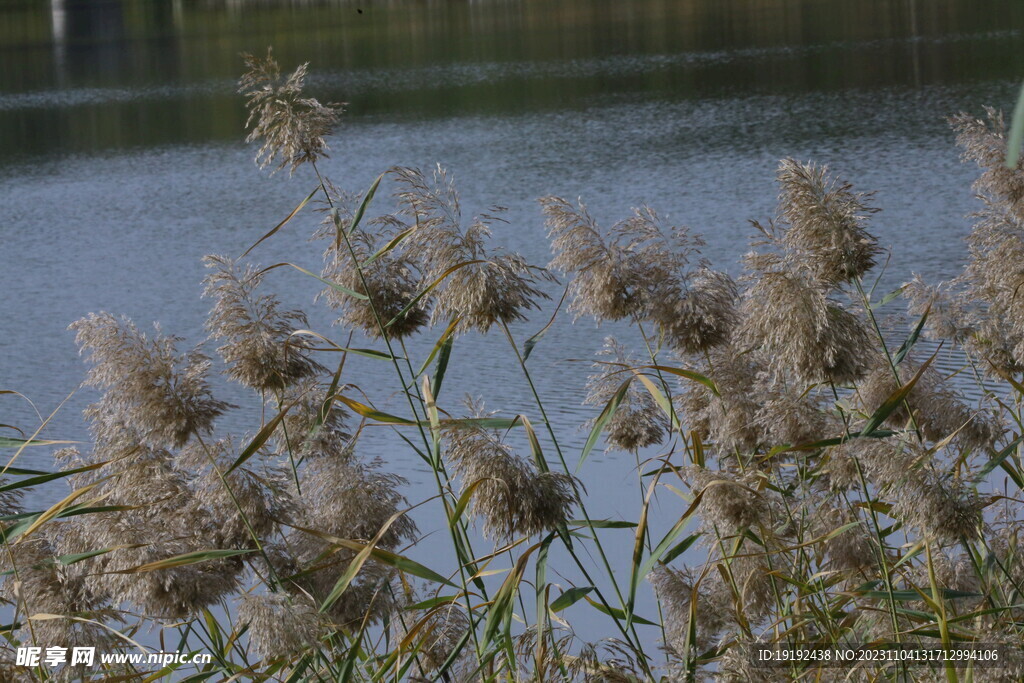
pixel 642 269
pixel 812 522
pixel 479 285
pixel 511 496
pixel 254 330
pixel 697 314
pixel 802 332
pixel 41 584
pixel 980 308
pixel 825 221
pixel 433 635
pixel 346 498
pixel 389 279
pixel 638 421
pixel 607 279
pixel 315 425
pixel 676 591
pixel 938 411
pixel 983 141
pixel 729 501
pixel 292 128
pixel 281 626
pixel 727 418
pixel 164 396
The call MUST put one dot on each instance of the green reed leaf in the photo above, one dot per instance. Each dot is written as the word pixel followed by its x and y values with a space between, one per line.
pixel 909 342
pixel 888 297
pixel 357 218
pixel 570 597
pixel 687 374
pixel 910 595
pixel 261 438
pixel 602 420
pixel 443 356
pixel 1016 136
pixel 13 442
pixel 184 560
pixel 604 523
pixel 434 602
pixel 442 340
pixel 895 399
pixel 998 458
pixel 43 478
pixel 532 342
pixel 501 606
pixel 463 502
pixel 416 299
pixel 670 538
pixel 392 243
pixel 482 423
pixel 282 223
pixel 680 548
pixel 618 613
pixel 333 285
pixel 372 414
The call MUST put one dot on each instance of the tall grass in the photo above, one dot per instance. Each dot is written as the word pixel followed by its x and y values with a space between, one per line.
pixel 836 489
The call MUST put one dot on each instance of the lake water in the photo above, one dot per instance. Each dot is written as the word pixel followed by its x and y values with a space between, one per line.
pixel 122 161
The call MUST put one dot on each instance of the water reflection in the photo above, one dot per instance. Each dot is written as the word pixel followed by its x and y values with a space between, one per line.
pixel 100 25
pixel 84 75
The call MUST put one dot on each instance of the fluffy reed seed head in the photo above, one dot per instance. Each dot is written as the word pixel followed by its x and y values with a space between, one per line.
pixel 312 568
pixel 938 410
pixel 851 552
pixel 263 497
pixel 254 330
pixel 802 332
pixel 511 496
pixel 727 420
pixel 955 571
pixel 993 276
pixel 436 634
pixel 392 281
pixel 699 316
pixel 281 626
pixel 940 506
pixel 786 417
pixel 826 219
pixel 164 396
pixel 983 141
pixel 354 500
pixel 39 583
pixel 175 593
pixel 986 314
pixel 639 421
pixel 676 590
pixel 501 290
pixel 948 313
pixel 10 499
pixel 311 428
pixel 881 461
pixel 606 279
pixel 291 127
pixel 641 269
pixel 167 512
pixel 480 285
pixel 730 502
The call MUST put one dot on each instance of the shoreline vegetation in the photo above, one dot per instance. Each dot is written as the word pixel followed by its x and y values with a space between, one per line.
pixel 835 488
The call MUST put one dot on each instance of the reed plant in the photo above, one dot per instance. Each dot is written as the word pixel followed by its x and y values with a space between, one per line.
pixel 831 487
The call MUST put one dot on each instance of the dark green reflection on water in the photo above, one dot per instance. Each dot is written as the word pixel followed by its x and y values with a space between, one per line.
pixel 87 75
